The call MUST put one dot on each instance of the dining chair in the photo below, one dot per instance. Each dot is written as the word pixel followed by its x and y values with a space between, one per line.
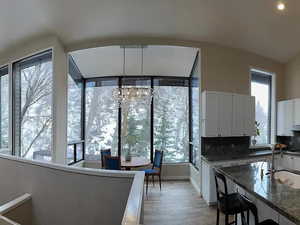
pixel 229 203
pixel 112 162
pixel 105 152
pixel 253 210
pixel 156 169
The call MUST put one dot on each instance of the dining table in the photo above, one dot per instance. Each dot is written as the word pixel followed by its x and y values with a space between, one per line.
pixel 135 162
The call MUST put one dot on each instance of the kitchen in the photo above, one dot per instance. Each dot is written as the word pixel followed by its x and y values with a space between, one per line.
pixel 227 125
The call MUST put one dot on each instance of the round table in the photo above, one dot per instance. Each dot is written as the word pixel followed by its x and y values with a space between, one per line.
pixel 135 162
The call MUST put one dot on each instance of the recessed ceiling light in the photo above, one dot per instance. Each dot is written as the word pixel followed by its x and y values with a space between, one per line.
pixel 280 6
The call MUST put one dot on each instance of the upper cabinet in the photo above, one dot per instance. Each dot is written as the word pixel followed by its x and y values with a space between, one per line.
pixel 227 114
pixel 297 111
pixel 243 115
pixel 210 114
pixel 287 116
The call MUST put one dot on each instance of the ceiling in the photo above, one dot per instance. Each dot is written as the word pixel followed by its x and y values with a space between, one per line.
pixel 150 60
pixel 253 25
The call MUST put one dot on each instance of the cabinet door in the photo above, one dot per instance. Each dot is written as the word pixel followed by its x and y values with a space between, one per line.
pixel 210 114
pixel 280 118
pixel 225 114
pixel 289 117
pixel 265 212
pixel 284 221
pixel 297 111
pixel 238 114
pixel 249 115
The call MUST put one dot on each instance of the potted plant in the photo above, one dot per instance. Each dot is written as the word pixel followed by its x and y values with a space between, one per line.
pixel 257 133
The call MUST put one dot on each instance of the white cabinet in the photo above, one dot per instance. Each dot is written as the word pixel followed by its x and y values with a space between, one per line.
pixel 243 115
pixel 284 221
pixel 289 117
pixel 285 118
pixel 227 114
pixel 297 111
pixel 280 118
pixel 238 115
pixel 208 184
pixel 249 119
pixel 210 114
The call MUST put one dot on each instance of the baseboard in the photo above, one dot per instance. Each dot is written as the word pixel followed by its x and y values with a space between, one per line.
pixel 197 188
pixel 175 178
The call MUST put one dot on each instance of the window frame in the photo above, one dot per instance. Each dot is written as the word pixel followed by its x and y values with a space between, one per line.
pixel 152 79
pixel 15 66
pixel 76 74
pixel 4 71
pixel 191 121
pixel 265 77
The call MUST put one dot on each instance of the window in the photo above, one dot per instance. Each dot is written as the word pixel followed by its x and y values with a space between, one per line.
pixel 33 107
pixel 75 112
pixel 135 133
pixel 171 118
pixel 195 114
pixel 101 118
pixel 4 110
pixel 261 88
pixel 137 128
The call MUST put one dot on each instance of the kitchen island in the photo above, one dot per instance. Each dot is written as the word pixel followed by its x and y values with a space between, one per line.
pixel 274 199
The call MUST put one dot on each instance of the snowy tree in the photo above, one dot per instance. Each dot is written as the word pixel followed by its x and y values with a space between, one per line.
pixel 35 112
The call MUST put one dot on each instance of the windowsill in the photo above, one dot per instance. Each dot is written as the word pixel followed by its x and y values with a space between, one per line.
pixel 260 146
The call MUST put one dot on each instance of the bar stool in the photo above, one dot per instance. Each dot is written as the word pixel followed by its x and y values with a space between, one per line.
pixel 253 210
pixel 229 204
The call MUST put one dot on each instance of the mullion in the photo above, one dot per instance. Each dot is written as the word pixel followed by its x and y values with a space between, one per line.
pixel 119 122
pixel 151 78
pixel 83 113
pixel 151 124
pixel 190 120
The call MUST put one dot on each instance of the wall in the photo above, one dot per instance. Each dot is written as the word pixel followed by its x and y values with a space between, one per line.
pixel 21 214
pixel 227 69
pixel 170 171
pixel 195 178
pixel 59 109
pixel 66 195
pixel 222 68
pixel 292 78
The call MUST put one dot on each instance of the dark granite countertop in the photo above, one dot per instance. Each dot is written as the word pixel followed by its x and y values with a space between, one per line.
pixel 248 154
pixel 280 197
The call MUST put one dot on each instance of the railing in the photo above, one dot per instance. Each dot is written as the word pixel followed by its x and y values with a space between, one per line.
pixel 75 152
pixel 133 214
pixel 6 221
pixel 16 209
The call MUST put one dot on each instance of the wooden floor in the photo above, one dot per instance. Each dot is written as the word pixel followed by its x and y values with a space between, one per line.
pixel 177 204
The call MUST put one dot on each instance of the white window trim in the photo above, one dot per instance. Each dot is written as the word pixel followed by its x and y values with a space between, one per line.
pixel 273 104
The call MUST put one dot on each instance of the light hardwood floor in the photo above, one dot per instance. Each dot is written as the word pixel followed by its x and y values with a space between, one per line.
pixel 177 204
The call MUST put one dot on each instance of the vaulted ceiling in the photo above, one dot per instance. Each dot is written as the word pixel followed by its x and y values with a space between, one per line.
pixel 133 60
pixel 253 25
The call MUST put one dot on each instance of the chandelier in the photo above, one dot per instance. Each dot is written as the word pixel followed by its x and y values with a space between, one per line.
pixel 124 96
pixel 127 95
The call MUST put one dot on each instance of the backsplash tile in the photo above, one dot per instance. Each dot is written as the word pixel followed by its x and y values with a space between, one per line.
pixel 213 146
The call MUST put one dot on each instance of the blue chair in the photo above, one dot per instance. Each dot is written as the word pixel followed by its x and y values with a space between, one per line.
pixel 106 152
pixel 112 162
pixel 156 169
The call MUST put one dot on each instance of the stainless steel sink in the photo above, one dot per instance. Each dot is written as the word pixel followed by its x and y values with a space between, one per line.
pixel 289 178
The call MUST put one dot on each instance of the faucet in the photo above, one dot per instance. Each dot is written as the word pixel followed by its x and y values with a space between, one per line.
pixel 273 147
pixel 272 170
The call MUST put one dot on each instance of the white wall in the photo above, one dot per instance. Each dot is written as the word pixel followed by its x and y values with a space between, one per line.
pixel 170 171
pixel 59 109
pixel 66 195
pixel 195 178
